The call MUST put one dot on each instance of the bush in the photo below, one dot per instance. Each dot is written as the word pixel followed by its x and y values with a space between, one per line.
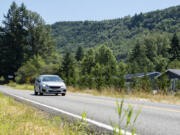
pixel 145 84
pixel 119 82
pixel 33 68
pixel 164 84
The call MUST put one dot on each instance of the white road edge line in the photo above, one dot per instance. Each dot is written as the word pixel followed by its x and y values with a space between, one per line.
pixel 99 124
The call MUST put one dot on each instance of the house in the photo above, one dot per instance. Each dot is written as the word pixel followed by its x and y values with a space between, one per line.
pixel 172 73
pixel 174 76
pixel 151 75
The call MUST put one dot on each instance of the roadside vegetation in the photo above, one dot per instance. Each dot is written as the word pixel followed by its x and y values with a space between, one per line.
pixel 126 116
pixel 19 119
pixel 170 98
pixel 21 86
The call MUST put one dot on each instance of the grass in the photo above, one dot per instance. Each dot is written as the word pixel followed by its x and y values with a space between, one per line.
pixel 21 86
pixel 141 96
pixel 19 119
pixel 125 115
pixel 111 92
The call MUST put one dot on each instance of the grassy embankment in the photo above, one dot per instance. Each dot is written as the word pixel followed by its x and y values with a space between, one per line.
pixel 110 92
pixel 19 119
pixel 141 96
pixel 21 86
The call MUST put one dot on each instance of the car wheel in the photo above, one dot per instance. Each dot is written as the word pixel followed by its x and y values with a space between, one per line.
pixel 63 94
pixel 35 93
pixel 40 91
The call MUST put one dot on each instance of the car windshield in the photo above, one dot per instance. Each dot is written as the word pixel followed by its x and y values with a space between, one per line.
pixel 51 79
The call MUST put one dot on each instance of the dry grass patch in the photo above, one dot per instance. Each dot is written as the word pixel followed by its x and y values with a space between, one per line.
pixel 141 96
pixel 21 86
pixel 20 119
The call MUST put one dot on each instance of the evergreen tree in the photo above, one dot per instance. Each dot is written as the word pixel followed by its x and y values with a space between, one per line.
pixel 175 48
pixel 161 64
pixel 14 39
pixel 106 59
pixel 2 53
pixel 151 48
pixel 39 40
pixel 86 66
pixel 88 62
pixel 138 60
pixel 79 54
pixel 104 56
pixel 67 69
pixel 119 81
pixel 25 36
pixel 163 44
pixel 98 74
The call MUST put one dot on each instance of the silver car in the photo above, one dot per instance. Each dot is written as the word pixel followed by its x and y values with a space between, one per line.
pixel 50 84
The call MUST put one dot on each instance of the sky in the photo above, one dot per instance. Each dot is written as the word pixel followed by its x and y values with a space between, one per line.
pixel 80 10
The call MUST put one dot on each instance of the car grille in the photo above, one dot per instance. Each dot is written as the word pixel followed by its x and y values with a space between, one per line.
pixel 55 87
pixel 54 91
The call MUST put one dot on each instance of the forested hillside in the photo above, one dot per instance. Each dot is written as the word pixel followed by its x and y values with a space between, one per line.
pixel 118 34
pixel 143 43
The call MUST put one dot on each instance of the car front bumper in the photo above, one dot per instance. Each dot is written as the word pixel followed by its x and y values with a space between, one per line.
pixel 54 91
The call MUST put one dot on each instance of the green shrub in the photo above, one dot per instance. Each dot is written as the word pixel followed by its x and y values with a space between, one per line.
pixel 33 68
pixel 164 84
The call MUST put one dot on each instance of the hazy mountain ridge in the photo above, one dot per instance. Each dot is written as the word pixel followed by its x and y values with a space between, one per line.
pixel 118 34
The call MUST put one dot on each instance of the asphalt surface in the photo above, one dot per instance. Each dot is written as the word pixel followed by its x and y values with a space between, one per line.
pixel 155 118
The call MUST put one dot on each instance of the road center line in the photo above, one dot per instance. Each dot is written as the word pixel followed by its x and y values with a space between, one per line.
pixel 99 124
pixel 139 105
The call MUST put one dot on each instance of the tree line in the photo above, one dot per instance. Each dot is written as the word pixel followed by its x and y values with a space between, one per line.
pixel 94 68
pixel 27 50
pixel 98 68
pixel 118 34
pixel 155 52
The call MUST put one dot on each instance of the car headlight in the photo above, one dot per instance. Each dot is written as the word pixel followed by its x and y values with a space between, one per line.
pixel 63 86
pixel 45 85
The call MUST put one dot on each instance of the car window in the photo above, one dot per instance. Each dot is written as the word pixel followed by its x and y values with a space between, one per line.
pixel 38 79
pixel 51 79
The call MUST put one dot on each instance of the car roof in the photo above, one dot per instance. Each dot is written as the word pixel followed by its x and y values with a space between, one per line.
pixel 47 75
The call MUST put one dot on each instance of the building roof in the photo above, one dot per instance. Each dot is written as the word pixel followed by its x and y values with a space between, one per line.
pixel 172 73
pixel 175 71
pixel 130 76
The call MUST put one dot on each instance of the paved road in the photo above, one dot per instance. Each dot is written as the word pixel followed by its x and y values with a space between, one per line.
pixel 155 118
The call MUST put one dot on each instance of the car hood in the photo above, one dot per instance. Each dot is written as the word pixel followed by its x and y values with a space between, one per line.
pixel 54 83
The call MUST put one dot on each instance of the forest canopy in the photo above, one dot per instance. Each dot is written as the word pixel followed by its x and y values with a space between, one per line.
pixel 118 34
pixel 93 54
